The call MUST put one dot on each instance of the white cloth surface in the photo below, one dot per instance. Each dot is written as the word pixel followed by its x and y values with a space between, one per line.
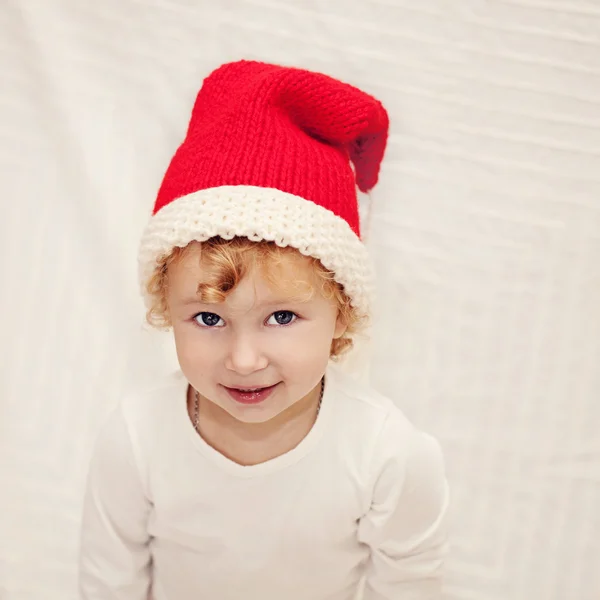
pixel 364 495
pixel 484 228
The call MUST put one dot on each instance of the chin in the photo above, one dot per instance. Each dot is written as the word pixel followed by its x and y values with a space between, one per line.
pixel 253 414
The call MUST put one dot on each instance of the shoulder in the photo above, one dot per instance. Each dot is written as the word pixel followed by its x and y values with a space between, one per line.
pixel 154 411
pixel 376 428
pixel 358 403
pixel 142 427
pixel 154 400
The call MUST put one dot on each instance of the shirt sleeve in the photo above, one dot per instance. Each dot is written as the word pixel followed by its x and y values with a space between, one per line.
pixel 114 561
pixel 405 526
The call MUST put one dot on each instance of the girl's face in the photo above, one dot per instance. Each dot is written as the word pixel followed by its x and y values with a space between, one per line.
pixel 259 337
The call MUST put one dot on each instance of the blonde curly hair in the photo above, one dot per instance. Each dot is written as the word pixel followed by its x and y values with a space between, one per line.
pixel 228 261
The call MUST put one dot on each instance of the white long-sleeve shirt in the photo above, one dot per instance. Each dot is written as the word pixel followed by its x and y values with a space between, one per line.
pixel 363 495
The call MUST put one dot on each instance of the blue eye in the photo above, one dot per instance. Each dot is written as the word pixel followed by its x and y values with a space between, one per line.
pixel 206 319
pixel 282 317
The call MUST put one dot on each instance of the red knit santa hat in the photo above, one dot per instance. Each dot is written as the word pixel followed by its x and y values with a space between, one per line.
pixel 274 153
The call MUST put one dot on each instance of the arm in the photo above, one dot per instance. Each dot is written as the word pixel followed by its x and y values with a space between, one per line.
pixel 405 526
pixel 114 562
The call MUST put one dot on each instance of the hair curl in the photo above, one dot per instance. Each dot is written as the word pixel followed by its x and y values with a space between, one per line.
pixel 228 261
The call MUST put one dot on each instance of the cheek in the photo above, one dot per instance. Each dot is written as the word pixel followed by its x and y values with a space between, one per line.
pixel 191 349
pixel 302 348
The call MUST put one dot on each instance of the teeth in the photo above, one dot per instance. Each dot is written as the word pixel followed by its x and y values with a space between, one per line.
pixel 256 389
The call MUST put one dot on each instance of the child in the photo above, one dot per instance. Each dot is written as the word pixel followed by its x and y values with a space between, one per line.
pixel 260 470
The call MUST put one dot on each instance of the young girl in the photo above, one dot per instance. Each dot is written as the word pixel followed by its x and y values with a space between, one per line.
pixel 260 470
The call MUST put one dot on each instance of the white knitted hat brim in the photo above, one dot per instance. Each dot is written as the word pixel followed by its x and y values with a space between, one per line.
pixel 259 213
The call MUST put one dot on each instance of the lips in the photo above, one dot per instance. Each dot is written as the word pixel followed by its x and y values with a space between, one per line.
pixel 254 395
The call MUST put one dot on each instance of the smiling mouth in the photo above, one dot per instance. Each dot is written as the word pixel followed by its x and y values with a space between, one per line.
pixel 250 389
pixel 254 395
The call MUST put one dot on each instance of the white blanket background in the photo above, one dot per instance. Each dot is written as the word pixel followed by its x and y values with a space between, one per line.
pixel 485 230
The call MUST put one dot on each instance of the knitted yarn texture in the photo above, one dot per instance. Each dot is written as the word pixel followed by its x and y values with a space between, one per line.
pixel 274 153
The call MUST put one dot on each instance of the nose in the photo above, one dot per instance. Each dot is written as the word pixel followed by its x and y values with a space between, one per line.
pixel 245 356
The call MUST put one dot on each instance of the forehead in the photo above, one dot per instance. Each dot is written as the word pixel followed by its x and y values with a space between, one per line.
pixel 292 274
